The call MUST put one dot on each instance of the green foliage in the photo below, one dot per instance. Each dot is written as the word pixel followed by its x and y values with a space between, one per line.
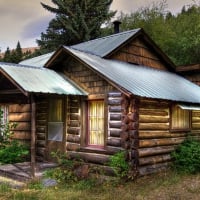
pixel 13 56
pixel 65 173
pixel 76 21
pixel 186 158
pixel 177 35
pixel 13 152
pixel 119 164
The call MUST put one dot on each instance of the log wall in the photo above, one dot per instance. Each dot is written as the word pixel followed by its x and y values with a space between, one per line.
pixel 137 52
pixel 21 115
pixel 41 128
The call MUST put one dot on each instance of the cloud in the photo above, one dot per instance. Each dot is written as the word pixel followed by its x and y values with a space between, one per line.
pixel 34 28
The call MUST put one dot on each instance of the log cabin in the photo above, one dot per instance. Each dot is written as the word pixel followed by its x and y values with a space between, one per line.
pixel 96 98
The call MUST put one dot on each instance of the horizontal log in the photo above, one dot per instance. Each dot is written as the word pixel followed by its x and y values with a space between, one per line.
pixel 114 94
pixel 72 146
pixel 23 126
pixel 118 109
pixel 160 142
pixel 41 129
pixel 114 101
pixel 73 138
pixel 41 116
pixel 41 122
pixel 114 142
pixel 21 135
pixel 195 113
pixel 40 136
pixel 159 134
pixel 154 112
pixel 19 108
pixel 20 117
pixel 73 130
pixel 40 143
pixel 155 168
pixel 115 124
pixel 147 103
pixel 73 123
pixel 196 125
pixel 115 117
pixel 154 159
pixel 74 116
pixel 153 126
pixel 195 119
pixel 112 150
pixel 115 132
pixel 155 150
pixel 74 110
pixel 90 157
pixel 153 119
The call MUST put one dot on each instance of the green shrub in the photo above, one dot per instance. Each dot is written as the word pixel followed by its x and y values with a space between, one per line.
pixel 119 164
pixel 13 152
pixel 186 158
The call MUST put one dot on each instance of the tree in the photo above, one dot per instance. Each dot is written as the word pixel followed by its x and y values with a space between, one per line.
pixel 76 21
pixel 7 55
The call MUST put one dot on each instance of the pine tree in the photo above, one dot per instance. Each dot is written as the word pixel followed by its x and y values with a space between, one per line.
pixel 7 55
pixel 18 53
pixel 76 21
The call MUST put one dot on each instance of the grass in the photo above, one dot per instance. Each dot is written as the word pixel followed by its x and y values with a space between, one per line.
pixel 164 186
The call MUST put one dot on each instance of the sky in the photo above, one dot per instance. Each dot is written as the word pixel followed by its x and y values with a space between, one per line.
pixel 24 20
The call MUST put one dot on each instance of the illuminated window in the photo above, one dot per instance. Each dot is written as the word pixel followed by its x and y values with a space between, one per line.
pixel 96 123
pixel 180 118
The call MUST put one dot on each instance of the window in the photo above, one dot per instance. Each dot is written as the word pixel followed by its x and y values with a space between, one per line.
pixel 4 116
pixel 96 123
pixel 180 119
pixel 55 124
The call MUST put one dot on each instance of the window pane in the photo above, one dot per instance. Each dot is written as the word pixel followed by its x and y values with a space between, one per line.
pixel 55 110
pixel 180 118
pixel 96 123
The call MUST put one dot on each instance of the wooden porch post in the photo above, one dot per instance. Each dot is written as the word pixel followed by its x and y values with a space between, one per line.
pixel 33 133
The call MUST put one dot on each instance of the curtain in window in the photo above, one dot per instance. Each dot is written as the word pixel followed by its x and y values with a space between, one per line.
pixel 180 118
pixel 55 110
pixel 96 123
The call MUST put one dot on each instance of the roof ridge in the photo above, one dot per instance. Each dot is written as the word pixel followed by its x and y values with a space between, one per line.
pixel 19 65
pixel 108 36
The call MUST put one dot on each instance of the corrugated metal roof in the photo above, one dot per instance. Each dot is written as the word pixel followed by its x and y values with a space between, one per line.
pixel 40 80
pixel 38 61
pixel 105 45
pixel 143 81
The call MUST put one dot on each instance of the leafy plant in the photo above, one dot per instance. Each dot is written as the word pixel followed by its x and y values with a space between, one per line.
pixel 119 164
pixel 186 158
pixel 11 151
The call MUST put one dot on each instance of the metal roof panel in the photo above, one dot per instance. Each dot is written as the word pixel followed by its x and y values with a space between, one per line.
pixel 105 45
pixel 40 80
pixel 143 81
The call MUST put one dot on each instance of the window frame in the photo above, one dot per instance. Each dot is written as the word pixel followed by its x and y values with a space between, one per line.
pixel 179 129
